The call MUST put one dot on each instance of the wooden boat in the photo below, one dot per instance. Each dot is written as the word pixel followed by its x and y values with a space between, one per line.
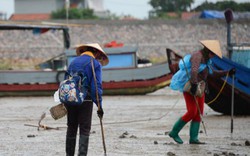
pixel 241 88
pixel 126 74
pixel 238 58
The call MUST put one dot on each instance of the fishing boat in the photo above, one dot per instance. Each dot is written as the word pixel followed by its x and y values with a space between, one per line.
pixel 235 96
pixel 126 73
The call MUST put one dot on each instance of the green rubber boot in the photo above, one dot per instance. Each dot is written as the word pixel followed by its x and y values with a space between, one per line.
pixel 194 130
pixel 176 129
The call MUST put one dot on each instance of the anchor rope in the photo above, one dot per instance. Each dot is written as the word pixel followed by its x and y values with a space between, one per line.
pixel 216 97
pixel 143 120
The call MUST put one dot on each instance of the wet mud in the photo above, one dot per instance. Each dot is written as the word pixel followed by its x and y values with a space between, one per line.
pixel 133 125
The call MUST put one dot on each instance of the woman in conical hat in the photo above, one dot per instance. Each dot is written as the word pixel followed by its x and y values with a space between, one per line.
pixel 100 55
pixel 89 56
pixel 195 68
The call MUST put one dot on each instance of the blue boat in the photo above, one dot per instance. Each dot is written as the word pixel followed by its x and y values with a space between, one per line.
pixel 241 85
pixel 234 92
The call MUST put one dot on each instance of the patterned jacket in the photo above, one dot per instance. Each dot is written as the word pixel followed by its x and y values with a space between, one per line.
pixel 82 65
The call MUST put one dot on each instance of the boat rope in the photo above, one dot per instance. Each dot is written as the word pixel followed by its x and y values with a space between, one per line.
pixel 216 97
pixel 143 120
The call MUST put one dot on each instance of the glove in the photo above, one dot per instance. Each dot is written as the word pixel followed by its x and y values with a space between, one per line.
pixel 232 71
pixel 193 88
pixel 100 113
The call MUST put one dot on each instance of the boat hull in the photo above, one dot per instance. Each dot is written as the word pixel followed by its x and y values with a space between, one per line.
pixel 223 103
pixel 134 81
pixel 139 87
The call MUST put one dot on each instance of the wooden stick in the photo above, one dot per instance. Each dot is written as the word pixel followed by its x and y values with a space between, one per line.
pixel 232 107
pixel 42 126
pixel 99 107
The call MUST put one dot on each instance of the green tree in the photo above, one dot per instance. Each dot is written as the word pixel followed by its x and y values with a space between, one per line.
pixel 223 5
pixel 244 6
pixel 161 7
pixel 74 14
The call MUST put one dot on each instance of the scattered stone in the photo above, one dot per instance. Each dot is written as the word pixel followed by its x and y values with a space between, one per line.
pixel 247 143
pixel 166 133
pixel 235 144
pixel 224 153
pixel 155 142
pixel 216 154
pixel 201 131
pixel 122 136
pixel 93 132
pixel 171 154
pixel 171 143
pixel 209 152
pixel 31 136
pixel 133 136
pixel 159 134
pixel 231 154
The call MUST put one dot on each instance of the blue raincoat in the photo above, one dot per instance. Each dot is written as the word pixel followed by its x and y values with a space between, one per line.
pixel 180 78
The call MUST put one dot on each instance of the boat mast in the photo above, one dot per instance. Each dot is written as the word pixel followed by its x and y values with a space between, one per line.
pixel 229 18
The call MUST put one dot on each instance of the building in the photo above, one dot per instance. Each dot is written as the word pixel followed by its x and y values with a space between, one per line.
pixel 41 9
pixel 3 15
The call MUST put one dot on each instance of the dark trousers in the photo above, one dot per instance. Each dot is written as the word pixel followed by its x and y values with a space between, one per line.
pixel 79 116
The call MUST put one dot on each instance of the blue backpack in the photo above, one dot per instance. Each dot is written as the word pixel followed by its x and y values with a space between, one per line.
pixel 70 90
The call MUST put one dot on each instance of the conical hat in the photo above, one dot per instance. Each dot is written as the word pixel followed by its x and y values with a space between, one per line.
pixel 213 46
pixel 104 59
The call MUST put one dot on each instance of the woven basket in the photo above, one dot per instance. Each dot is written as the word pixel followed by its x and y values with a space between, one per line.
pixel 58 111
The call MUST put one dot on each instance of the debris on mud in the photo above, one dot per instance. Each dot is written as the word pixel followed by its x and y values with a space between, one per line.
pixel 247 143
pixel 31 135
pixel 126 134
pixel 171 154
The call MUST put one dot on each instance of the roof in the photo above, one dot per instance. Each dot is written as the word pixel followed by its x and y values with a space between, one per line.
pixel 38 29
pixel 24 17
pixel 190 15
pixel 109 51
pixel 6 26
pixel 184 15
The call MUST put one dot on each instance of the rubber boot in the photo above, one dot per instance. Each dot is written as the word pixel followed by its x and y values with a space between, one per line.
pixel 83 145
pixel 176 129
pixel 194 130
pixel 70 146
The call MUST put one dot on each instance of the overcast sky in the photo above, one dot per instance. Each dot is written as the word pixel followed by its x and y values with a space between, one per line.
pixel 140 8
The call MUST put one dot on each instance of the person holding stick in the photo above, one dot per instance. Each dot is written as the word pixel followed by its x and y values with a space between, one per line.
pixel 88 63
pixel 194 69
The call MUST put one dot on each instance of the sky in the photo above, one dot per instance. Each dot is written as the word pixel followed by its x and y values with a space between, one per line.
pixel 7 6
pixel 140 8
pixel 135 8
